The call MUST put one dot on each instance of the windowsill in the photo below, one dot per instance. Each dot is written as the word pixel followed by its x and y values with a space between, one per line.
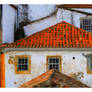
pixel 23 72
pixel 89 72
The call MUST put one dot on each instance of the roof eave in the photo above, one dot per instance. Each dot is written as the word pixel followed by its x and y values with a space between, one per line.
pixel 74 6
pixel 46 49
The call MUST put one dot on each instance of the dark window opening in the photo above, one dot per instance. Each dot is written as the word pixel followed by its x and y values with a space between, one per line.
pixel 86 24
pixel 90 63
pixel 22 64
pixel 54 63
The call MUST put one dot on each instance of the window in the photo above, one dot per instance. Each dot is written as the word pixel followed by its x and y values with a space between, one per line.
pixel 54 62
pixel 89 64
pixel 22 64
pixel 86 24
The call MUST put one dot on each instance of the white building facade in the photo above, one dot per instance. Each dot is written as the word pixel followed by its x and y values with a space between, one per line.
pixel 73 63
pixel 40 17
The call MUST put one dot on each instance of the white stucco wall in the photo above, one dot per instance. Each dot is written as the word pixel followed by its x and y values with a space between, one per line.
pixel 61 15
pixel 39 26
pixel 38 66
pixel 89 10
pixel 8 21
pixel 35 11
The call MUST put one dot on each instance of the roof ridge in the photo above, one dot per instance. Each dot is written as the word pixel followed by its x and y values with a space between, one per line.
pixel 60 35
pixel 47 28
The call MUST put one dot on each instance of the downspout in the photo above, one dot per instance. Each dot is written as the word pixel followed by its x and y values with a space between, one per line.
pixel 2 70
pixel 0 38
pixel 16 24
pixel 2 55
pixel 0 24
pixel 72 18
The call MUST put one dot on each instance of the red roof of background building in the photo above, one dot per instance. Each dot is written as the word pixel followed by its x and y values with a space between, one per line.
pixel 74 6
pixel 61 35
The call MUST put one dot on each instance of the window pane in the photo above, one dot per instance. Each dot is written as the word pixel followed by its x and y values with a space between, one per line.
pixel 26 62
pixel 86 24
pixel 22 64
pixel 53 63
pixel 90 64
pixel 19 61
pixel 53 60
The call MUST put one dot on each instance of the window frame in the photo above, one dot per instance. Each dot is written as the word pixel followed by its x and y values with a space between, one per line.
pixel 89 57
pixel 60 66
pixel 16 64
pixel 81 23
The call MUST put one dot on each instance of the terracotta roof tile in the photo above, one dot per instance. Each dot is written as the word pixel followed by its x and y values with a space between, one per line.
pixel 61 35
pixel 53 78
pixel 42 78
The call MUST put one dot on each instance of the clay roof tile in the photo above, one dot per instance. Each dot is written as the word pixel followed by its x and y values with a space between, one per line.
pixel 61 35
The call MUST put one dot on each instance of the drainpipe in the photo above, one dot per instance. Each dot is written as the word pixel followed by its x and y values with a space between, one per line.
pixel 72 18
pixel 2 70
pixel 0 38
pixel 0 24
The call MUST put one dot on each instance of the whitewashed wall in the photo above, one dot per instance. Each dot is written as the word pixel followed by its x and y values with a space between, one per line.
pixel 35 11
pixel 8 21
pixel 38 11
pixel 61 15
pixel 38 66
pixel 40 25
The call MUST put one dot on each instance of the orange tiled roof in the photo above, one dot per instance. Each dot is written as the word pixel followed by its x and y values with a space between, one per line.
pixel 51 77
pixel 40 79
pixel 61 35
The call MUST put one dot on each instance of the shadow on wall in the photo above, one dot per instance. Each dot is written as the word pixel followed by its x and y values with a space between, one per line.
pixel 19 33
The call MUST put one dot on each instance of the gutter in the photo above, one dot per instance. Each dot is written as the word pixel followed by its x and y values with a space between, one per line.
pixel 46 49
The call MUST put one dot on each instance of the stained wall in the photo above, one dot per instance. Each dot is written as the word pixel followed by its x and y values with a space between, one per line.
pixel 76 68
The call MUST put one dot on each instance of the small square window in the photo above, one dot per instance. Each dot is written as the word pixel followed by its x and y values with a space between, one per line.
pixel 89 64
pixel 86 24
pixel 23 65
pixel 54 62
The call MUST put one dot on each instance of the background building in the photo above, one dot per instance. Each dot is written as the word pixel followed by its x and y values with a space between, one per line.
pixel 19 21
